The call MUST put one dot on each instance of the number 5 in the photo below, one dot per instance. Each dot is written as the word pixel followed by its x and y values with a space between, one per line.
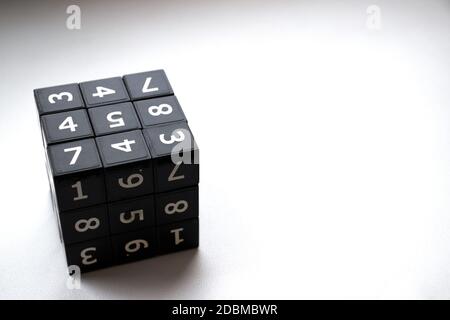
pixel 133 214
pixel 115 122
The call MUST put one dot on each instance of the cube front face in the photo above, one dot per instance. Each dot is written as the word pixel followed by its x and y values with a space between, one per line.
pixel 123 166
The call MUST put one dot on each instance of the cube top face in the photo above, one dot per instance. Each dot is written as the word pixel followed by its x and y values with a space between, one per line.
pixel 59 98
pixel 84 224
pixel 114 118
pixel 104 91
pixel 169 139
pixel 121 148
pixel 66 126
pixel 74 156
pixel 148 84
pixel 159 110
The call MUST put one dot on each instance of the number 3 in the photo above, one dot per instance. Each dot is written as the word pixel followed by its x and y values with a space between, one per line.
pixel 85 257
pixel 173 138
pixel 59 96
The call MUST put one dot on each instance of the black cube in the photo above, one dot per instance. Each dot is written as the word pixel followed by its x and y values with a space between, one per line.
pixel 123 169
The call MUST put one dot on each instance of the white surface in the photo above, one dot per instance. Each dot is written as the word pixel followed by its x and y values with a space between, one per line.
pixel 324 145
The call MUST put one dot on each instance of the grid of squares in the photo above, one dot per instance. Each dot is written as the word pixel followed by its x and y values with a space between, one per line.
pixel 123 168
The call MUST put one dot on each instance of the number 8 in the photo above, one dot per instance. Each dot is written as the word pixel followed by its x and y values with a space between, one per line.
pixel 159 110
pixel 176 207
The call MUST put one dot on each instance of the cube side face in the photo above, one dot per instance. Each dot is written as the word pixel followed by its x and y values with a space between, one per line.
pixel 123 169
pixel 90 255
pixel 80 190
pixel 181 173
pixel 178 236
pixel 84 224
pixel 177 205
pixel 131 215
pixel 133 246
pixel 129 181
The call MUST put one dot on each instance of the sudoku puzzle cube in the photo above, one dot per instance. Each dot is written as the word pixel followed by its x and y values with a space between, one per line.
pixel 123 169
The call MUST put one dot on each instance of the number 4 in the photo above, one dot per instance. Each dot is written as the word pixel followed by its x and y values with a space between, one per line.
pixel 124 146
pixel 102 91
pixel 68 124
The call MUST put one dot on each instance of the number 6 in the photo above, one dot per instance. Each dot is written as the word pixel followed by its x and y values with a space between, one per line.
pixel 130 184
pixel 135 245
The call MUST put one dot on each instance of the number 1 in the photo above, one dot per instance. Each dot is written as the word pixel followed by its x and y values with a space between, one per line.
pixel 80 195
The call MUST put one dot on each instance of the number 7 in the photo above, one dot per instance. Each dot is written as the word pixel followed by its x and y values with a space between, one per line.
pixel 75 155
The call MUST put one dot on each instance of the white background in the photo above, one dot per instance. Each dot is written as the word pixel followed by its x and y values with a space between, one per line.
pixel 324 145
